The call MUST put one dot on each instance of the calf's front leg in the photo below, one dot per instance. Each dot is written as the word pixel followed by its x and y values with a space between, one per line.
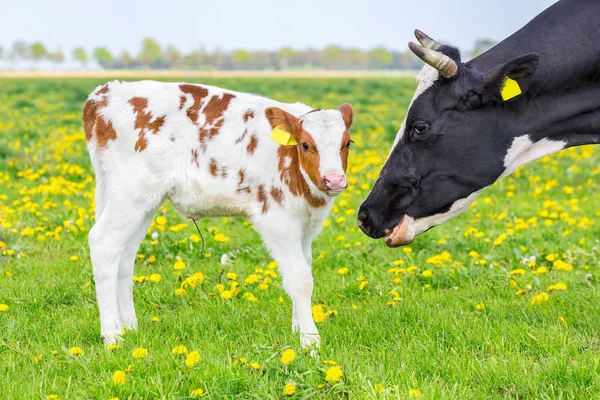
pixel 284 242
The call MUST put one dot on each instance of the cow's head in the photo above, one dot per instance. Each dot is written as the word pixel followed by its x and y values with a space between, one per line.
pixel 453 143
pixel 323 142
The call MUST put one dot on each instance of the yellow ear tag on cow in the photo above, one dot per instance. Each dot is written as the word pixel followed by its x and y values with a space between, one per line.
pixel 510 89
pixel 279 135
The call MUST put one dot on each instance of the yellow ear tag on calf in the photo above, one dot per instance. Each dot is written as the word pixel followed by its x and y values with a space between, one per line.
pixel 510 89
pixel 282 137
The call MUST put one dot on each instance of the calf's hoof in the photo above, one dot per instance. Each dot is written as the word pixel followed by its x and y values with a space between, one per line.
pixel 111 338
pixel 308 340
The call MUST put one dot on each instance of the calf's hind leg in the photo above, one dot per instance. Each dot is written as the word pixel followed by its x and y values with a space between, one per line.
pixel 108 240
pixel 125 277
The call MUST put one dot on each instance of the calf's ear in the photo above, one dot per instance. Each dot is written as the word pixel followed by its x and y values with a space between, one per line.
pixel 282 119
pixel 512 78
pixel 347 114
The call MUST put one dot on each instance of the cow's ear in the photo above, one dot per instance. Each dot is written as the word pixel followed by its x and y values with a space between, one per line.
pixel 347 114
pixel 512 78
pixel 282 119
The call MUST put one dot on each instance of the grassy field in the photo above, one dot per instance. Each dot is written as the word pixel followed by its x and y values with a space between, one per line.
pixel 499 303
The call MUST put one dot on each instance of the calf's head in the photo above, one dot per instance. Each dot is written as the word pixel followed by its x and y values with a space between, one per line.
pixel 322 142
pixel 453 143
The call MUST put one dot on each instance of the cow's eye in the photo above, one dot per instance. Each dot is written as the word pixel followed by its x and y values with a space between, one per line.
pixel 304 147
pixel 348 144
pixel 420 128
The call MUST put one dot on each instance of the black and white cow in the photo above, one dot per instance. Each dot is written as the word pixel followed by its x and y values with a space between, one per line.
pixel 469 124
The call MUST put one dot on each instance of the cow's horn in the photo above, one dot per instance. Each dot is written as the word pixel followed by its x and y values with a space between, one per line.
pixel 426 41
pixel 437 60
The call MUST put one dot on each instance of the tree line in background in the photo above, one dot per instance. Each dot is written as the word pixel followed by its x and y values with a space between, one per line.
pixel 154 56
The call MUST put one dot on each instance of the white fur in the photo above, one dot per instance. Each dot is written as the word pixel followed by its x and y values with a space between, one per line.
pixel 421 225
pixel 132 185
pixel 523 151
pixel 426 78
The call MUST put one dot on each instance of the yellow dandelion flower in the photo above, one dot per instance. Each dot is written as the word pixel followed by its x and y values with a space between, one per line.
pixel 3 307
pixel 139 352
pixel 540 298
pixel 192 359
pixel 289 389
pixel 155 277
pixel 52 397
pixel 118 378
pixel 113 347
pixel 362 285
pixel 318 313
pixel 179 265
pixel 219 237
pixel 562 320
pixel 480 306
pixel 415 393
pixel 557 286
pixel 178 350
pixel 342 271
pixel 428 273
pixel 379 388
pixel 76 351
pixel 333 374
pixel 518 272
pixel 155 319
pixel 73 258
pixel 232 276
pixel 197 393
pixel 329 362
pixel 179 292
pixel 255 365
pixel 288 356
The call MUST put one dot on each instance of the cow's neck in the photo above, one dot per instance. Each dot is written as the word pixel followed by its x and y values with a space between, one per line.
pixel 562 105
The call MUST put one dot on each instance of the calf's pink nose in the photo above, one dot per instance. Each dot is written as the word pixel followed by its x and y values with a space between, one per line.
pixel 335 181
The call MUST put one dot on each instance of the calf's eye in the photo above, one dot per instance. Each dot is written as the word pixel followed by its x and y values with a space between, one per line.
pixel 304 147
pixel 348 144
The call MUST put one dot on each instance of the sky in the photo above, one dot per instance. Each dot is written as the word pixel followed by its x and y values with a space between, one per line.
pixel 259 25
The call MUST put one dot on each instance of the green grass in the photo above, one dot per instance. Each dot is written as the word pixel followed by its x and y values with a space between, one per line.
pixel 435 339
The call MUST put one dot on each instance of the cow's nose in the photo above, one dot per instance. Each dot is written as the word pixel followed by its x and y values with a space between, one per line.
pixel 364 222
pixel 335 181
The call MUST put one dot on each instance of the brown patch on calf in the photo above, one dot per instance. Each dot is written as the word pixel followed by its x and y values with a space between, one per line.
pixel 214 116
pixel 182 100
pixel 95 124
pixel 195 158
pixel 213 167
pixel 242 186
pixel 277 194
pixel 262 198
pixel 143 122
pixel 213 111
pixel 242 137
pixel 104 132
pixel 198 94
pixel 89 118
pixel 103 90
pixel 249 114
pixel 252 145
pixel 345 149
pixel 292 177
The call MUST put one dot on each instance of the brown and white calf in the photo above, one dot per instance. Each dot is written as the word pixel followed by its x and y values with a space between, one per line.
pixel 209 151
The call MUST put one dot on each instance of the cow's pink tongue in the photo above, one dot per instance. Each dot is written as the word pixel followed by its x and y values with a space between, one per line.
pixel 398 236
